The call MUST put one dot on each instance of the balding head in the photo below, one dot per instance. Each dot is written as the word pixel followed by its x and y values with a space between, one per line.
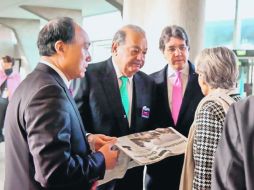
pixel 129 47
pixel 120 35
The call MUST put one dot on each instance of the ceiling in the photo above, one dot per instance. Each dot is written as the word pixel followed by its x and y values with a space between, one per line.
pixel 12 9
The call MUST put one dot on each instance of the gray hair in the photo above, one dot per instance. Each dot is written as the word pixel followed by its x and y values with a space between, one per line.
pixel 58 29
pixel 172 31
pixel 120 35
pixel 218 67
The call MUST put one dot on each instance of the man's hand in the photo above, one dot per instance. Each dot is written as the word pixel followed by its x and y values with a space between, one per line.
pixel 96 141
pixel 110 154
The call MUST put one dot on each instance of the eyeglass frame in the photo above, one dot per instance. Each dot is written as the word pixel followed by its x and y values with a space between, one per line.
pixel 172 49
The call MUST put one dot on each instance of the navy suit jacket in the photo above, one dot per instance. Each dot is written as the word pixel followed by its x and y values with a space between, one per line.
pixel 46 147
pixel 100 105
pixel 172 166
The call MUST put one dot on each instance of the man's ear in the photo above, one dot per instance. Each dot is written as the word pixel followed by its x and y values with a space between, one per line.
pixel 114 48
pixel 60 47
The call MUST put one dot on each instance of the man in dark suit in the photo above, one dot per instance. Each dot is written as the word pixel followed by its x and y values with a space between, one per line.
pixel 100 100
pixel 46 146
pixel 174 45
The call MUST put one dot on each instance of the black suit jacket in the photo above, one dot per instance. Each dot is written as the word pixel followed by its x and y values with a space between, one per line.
pixel 173 166
pixel 46 146
pixel 100 105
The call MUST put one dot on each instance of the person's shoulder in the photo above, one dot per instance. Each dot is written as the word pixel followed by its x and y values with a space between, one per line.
pixel 97 66
pixel 158 74
pixel 143 76
pixel 212 106
pixel 245 103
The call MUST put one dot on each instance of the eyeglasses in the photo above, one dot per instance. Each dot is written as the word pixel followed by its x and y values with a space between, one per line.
pixel 172 49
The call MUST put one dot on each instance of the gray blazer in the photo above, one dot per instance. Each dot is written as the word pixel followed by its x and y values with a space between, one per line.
pixel 234 158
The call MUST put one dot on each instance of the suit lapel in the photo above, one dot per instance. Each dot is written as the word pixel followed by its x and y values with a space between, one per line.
pixel 163 85
pixel 60 81
pixel 164 78
pixel 110 85
pixel 188 94
pixel 137 100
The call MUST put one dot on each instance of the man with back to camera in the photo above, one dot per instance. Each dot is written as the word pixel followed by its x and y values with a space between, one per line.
pixel 178 95
pixel 233 166
pixel 46 146
pixel 118 98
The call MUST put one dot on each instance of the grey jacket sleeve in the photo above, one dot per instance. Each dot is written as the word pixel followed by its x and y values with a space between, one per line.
pixel 228 168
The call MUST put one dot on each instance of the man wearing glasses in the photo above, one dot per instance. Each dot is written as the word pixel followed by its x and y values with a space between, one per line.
pixel 178 94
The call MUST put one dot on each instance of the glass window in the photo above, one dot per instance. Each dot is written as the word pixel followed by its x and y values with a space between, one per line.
pixel 219 23
pixel 101 29
pixel 246 19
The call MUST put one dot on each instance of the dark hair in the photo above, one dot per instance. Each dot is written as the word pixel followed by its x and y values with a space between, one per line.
pixel 172 31
pixel 8 59
pixel 58 29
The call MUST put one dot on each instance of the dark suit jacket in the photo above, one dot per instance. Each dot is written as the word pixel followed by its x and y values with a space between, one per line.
pixel 173 166
pixel 233 166
pixel 99 103
pixel 46 146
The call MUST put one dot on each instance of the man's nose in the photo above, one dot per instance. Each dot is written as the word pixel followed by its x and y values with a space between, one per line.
pixel 177 52
pixel 141 56
pixel 88 57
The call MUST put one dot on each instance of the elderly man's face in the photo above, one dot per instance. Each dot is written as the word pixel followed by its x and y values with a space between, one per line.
pixel 130 56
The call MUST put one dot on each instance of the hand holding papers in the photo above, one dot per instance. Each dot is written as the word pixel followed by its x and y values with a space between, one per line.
pixel 146 148
pixel 152 146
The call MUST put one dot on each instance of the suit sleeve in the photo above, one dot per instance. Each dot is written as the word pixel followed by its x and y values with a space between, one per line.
pixel 50 121
pixel 228 166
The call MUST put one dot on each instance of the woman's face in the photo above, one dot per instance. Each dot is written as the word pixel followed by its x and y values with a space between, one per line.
pixel 203 85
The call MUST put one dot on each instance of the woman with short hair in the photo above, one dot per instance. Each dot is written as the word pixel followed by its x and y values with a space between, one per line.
pixel 218 72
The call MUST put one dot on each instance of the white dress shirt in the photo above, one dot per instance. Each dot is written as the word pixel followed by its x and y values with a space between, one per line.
pixel 61 74
pixel 129 88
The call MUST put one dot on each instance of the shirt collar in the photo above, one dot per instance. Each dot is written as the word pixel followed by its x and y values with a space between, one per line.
pixel 118 73
pixel 172 71
pixel 61 74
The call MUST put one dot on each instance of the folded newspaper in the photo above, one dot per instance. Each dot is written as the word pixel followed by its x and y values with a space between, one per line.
pixel 145 148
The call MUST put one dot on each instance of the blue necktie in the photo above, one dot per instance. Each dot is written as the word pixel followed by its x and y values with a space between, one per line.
pixel 124 94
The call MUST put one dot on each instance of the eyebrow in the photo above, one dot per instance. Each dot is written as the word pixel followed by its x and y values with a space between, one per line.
pixel 178 45
pixel 134 46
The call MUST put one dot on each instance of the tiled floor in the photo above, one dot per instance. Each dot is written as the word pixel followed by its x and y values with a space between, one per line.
pixel 1 166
